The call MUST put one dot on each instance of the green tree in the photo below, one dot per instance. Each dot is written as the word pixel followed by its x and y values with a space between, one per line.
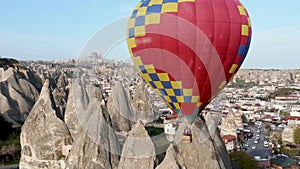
pixel 244 118
pixel 289 151
pixel 242 160
pixel 267 126
pixel 283 92
pixel 251 123
pixel 297 135
pixel 283 113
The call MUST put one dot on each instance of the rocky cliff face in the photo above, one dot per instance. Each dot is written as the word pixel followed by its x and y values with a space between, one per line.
pixel 141 105
pixel 44 136
pixel 70 116
pixel 191 155
pixel 60 95
pixel 138 150
pixel 169 161
pixel 228 125
pixel 95 145
pixel 71 127
pixel 86 137
pixel 238 119
pixel 48 143
pixel 288 134
pixel 120 109
pixel 19 90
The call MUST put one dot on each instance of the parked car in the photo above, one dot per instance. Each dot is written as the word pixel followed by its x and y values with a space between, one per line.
pixel 255 141
pixel 253 147
pixel 266 144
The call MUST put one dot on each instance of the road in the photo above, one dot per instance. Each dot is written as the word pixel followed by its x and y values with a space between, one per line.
pixel 260 153
pixel 260 144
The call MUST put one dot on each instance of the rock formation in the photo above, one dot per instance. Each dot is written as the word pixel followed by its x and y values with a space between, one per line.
pixel 288 134
pixel 17 95
pixel 141 104
pixel 70 127
pixel 70 116
pixel 169 161
pixel 95 144
pixel 119 108
pixel 219 146
pixel 190 155
pixel 228 125
pixel 44 136
pixel 60 95
pixel 91 142
pixel 238 119
pixel 138 150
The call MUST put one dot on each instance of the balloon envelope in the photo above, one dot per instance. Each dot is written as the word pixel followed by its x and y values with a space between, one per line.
pixel 188 50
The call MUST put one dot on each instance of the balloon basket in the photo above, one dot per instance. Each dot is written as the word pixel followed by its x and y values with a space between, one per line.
pixel 187 135
pixel 187 139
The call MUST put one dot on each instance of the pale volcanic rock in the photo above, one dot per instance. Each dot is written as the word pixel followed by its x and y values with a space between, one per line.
pixel 95 144
pixel 228 125
pixel 219 145
pixel 91 149
pixel 288 134
pixel 60 96
pixel 44 136
pixel 169 161
pixel 138 150
pixel 238 119
pixel 141 104
pixel 120 109
pixel 17 94
pixel 191 155
pixel 70 116
pixel 62 81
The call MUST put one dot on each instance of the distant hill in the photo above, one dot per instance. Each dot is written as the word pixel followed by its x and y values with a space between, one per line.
pixel 268 77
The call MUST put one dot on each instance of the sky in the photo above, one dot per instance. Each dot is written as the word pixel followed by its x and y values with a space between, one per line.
pixel 60 29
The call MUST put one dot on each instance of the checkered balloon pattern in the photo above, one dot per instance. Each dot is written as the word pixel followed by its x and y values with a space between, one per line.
pixel 188 50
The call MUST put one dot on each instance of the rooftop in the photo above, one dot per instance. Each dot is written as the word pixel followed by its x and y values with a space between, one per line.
pixel 284 161
pixel 228 137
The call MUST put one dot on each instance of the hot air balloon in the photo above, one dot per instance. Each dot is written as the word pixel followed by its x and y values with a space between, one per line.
pixel 188 50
